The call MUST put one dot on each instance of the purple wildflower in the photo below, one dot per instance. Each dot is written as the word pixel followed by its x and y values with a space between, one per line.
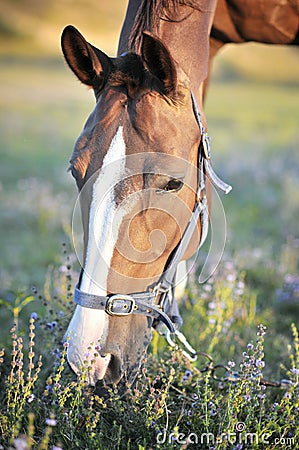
pixel 31 398
pixel 20 443
pixel 57 353
pixel 51 325
pixel 51 422
pixel 259 363
pixel 187 375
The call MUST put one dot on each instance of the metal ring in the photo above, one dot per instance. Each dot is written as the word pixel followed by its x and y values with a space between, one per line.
pixel 221 366
pixel 209 364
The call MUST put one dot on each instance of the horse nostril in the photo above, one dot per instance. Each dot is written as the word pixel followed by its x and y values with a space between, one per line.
pixel 114 370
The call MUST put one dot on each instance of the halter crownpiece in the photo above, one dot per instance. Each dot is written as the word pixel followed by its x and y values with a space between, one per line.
pixel 158 302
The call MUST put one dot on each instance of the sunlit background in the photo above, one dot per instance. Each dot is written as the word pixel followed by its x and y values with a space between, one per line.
pixel 252 111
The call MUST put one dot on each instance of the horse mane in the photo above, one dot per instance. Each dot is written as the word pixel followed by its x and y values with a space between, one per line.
pixel 148 17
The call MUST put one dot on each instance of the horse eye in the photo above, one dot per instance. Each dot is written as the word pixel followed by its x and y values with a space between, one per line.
pixel 173 185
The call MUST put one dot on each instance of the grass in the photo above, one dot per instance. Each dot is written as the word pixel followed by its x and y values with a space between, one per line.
pixel 174 404
pixel 253 124
pixel 256 146
pixel 34 162
pixel 33 28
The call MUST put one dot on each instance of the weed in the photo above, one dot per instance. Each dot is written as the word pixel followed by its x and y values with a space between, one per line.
pixel 172 404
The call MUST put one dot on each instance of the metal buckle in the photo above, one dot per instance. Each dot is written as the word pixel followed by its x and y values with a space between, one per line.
pixel 125 303
pixel 158 290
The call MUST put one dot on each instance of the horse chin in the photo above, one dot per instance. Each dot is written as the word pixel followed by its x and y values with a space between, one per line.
pixel 109 362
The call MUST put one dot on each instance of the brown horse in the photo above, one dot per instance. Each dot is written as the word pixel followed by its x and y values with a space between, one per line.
pixel 234 21
pixel 265 21
pixel 141 165
pixel 142 197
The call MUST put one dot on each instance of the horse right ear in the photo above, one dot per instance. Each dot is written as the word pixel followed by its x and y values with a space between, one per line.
pixel 159 62
pixel 89 64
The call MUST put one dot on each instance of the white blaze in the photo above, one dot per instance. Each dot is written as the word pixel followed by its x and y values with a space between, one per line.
pixel 88 325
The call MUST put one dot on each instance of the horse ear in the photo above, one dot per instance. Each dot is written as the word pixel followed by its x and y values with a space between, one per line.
pixel 89 64
pixel 159 61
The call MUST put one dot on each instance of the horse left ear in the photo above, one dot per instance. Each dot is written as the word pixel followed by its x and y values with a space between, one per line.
pixel 90 65
pixel 159 61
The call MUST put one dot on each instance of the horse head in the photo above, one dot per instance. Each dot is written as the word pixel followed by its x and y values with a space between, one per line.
pixel 136 168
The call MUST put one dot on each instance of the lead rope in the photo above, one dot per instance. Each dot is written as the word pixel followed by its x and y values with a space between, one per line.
pixel 230 376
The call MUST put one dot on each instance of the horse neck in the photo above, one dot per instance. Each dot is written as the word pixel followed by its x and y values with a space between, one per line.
pixel 188 42
pixel 187 38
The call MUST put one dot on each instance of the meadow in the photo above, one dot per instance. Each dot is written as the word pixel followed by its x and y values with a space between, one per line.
pixel 245 315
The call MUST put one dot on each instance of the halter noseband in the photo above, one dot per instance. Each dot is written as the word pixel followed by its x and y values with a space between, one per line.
pixel 158 302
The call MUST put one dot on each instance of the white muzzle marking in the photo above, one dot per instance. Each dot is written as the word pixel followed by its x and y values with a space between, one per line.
pixel 88 327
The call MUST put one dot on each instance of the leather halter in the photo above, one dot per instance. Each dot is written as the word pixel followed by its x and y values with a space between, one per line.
pixel 158 301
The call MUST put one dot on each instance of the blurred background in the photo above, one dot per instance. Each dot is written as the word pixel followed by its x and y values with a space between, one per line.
pixel 252 111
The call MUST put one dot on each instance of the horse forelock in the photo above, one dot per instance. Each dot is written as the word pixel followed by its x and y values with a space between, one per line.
pixel 131 74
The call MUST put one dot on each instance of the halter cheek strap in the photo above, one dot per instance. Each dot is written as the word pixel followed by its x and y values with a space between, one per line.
pixel 158 302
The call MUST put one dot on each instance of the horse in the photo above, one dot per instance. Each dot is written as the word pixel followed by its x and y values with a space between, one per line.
pixel 143 169
pixel 142 165
pixel 233 22
pixel 267 21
